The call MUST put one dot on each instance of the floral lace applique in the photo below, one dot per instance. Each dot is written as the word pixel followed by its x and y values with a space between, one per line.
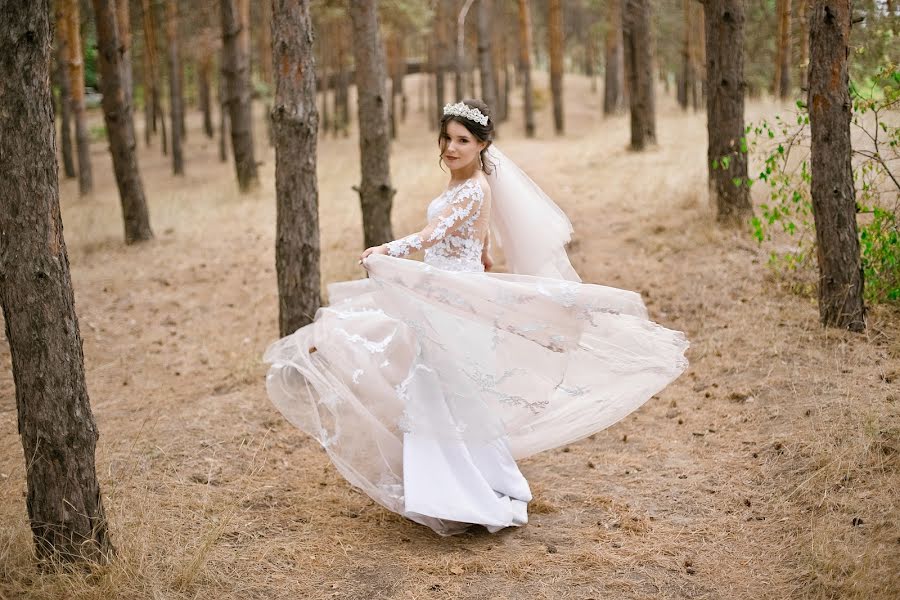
pixel 453 239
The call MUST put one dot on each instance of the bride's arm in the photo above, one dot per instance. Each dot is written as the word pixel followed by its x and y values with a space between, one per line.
pixel 486 258
pixel 466 201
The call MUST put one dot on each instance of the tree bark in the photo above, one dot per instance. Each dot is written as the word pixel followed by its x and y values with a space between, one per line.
pixel 614 58
pixel 265 46
pixel 803 40
pixel 782 86
pixel 342 89
pixel 120 126
pixel 725 109
pixel 76 78
pixel 439 55
pixel 236 69
pixel 123 19
pixel 686 81
pixel 525 65
pixel 204 77
pixel 833 196
pixel 636 35
pixel 65 90
pixel 555 35
pixel 176 98
pixel 55 422
pixel 223 116
pixel 295 124
pixel 375 191
pixel 486 56
pixel 460 62
pixel 151 72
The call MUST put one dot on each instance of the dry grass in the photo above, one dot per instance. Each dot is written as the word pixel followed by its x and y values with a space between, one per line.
pixel 770 470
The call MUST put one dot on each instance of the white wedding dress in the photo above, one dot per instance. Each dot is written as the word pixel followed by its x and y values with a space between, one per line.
pixel 426 381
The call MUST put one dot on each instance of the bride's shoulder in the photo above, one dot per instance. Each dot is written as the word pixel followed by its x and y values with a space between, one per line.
pixel 477 184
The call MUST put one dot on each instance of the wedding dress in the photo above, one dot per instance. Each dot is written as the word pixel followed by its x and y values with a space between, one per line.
pixel 427 380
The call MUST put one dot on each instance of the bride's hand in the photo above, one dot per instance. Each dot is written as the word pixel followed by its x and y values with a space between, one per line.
pixel 382 249
pixel 487 261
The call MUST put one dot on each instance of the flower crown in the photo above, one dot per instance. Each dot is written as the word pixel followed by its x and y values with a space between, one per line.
pixel 462 110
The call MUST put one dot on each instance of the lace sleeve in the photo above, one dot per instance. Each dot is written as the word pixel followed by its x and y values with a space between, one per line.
pixel 464 205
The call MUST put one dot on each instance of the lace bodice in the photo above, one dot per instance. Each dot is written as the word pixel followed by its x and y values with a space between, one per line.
pixel 456 232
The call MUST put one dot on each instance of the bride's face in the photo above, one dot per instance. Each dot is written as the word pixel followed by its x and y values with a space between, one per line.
pixel 459 146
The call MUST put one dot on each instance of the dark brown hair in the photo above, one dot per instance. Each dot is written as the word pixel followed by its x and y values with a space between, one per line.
pixel 482 133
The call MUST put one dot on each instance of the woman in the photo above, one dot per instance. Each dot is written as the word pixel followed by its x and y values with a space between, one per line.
pixel 426 381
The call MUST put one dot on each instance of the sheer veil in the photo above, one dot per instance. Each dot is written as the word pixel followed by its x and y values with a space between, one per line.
pixel 532 230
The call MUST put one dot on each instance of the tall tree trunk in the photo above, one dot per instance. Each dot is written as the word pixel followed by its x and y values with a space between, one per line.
pixel 204 76
pixel 782 86
pixel 176 98
pixel 614 58
pixel 555 35
pixel 265 46
pixel 833 196
pixel 120 125
pixel 56 425
pixel 123 19
pixel 295 125
pixel 375 192
pixel 485 56
pixel 151 71
pixel 803 40
pixel 698 52
pixel 725 109
pixel 525 65
pixel 342 89
pixel 236 68
pixel 223 114
pixel 76 79
pixel 686 81
pixel 441 28
pixel 636 35
pixel 65 89
pixel 460 63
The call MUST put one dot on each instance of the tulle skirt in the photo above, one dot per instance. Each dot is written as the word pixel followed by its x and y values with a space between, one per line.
pixel 425 385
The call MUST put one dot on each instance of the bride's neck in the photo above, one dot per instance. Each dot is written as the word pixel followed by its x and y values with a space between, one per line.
pixel 457 175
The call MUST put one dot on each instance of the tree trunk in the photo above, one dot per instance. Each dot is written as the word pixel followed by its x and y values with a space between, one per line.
pixel 782 85
pixel 55 422
pixel 76 79
pixel 698 52
pixel 123 20
pixel 636 35
pixel 204 76
pixel 236 68
pixel 555 35
pixel 614 58
pixel 223 116
pixel 441 49
pixel 176 99
pixel 686 81
pixel 833 196
pixel 525 64
pixel 486 56
pixel 65 90
pixel 375 192
pixel 461 50
pixel 265 46
pixel 295 125
pixel 803 40
pixel 725 109
pixel 120 125
pixel 342 89
pixel 151 72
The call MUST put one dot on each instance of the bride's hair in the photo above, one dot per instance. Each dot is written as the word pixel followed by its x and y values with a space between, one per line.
pixel 483 133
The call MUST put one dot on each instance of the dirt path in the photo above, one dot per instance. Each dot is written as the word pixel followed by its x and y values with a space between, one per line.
pixel 769 470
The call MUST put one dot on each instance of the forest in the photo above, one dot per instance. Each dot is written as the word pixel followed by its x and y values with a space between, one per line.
pixel 180 181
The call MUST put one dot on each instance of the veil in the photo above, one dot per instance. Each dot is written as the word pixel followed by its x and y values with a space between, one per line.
pixel 526 223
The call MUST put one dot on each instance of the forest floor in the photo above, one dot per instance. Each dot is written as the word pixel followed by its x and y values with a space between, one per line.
pixel 769 470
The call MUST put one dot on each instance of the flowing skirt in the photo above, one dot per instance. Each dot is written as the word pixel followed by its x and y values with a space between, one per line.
pixel 425 385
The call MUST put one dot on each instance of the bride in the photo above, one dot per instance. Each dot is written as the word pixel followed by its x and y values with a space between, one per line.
pixel 426 381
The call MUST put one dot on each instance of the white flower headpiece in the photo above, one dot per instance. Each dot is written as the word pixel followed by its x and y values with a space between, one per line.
pixel 463 110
